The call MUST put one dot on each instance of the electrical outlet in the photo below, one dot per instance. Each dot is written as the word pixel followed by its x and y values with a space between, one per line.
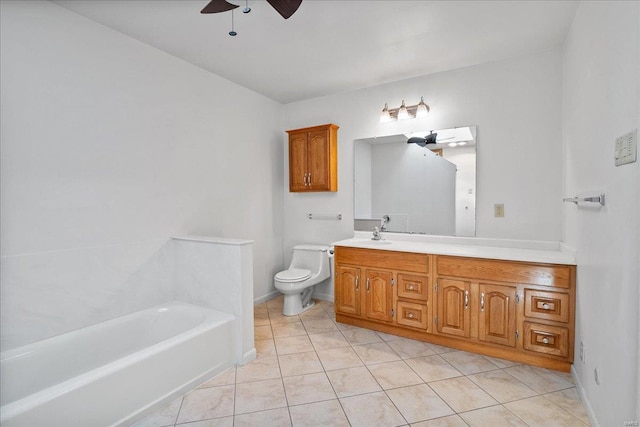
pixel 498 210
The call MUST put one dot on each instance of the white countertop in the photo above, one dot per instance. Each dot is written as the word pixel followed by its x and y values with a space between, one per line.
pixel 512 250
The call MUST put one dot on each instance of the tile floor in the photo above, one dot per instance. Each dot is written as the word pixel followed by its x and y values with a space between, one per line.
pixel 311 371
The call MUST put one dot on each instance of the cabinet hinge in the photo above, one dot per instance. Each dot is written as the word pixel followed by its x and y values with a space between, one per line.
pixel 517 335
pixel 436 287
pixel 393 282
pixel 435 319
pixel 517 299
pixel 393 312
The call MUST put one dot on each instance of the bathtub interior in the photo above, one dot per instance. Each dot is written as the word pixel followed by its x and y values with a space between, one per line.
pixel 135 363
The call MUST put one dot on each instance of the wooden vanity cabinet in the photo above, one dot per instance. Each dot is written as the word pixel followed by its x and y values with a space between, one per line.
pixel 313 159
pixel 521 311
pixel 382 286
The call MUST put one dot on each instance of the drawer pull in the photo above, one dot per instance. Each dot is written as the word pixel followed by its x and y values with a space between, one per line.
pixel 410 315
pixel 546 306
pixel 545 340
pixel 410 287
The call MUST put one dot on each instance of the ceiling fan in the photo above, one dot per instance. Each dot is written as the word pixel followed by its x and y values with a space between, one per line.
pixel 429 139
pixel 285 8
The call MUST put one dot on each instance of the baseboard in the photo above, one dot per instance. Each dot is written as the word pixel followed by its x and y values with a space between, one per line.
pixel 323 297
pixel 249 356
pixel 583 396
pixel 267 297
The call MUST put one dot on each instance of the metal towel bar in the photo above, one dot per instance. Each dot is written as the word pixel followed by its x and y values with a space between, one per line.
pixel 316 216
pixel 593 199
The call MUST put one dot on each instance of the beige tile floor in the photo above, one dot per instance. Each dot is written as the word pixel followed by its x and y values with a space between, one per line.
pixel 311 371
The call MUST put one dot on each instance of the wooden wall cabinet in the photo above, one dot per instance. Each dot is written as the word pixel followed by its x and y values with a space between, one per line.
pixel 520 311
pixel 313 159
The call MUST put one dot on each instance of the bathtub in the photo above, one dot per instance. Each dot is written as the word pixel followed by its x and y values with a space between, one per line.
pixel 114 372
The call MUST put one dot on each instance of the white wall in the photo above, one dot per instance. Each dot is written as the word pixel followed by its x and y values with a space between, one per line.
pixel 601 86
pixel 516 105
pixel 109 147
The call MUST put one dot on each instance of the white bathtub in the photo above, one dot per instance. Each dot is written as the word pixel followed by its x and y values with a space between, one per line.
pixel 113 372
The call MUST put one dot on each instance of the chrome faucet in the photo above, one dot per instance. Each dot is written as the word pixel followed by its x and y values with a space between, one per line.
pixel 376 234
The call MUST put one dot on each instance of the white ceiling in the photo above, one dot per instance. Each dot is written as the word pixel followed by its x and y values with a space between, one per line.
pixel 328 46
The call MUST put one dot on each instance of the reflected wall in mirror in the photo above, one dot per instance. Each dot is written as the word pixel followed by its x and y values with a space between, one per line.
pixel 418 187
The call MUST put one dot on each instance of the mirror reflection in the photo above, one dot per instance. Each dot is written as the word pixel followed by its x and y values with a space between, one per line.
pixel 420 183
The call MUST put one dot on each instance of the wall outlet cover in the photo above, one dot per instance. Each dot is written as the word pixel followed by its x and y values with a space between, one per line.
pixel 626 148
pixel 498 210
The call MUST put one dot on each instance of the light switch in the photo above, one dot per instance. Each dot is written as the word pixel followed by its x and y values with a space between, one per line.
pixel 498 210
pixel 627 148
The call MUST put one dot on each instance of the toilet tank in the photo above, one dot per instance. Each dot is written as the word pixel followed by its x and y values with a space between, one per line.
pixel 310 257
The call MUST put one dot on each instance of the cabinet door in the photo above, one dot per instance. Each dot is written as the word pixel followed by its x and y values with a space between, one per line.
pixel 454 307
pixel 319 160
pixel 347 290
pixel 379 295
pixel 497 318
pixel 298 162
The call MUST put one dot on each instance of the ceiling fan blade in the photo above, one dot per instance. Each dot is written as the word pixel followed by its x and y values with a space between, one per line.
pixel 216 6
pixel 286 8
pixel 417 140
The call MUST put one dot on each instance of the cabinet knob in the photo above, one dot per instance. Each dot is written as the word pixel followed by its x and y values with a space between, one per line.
pixel 410 287
pixel 410 315
pixel 545 306
pixel 545 340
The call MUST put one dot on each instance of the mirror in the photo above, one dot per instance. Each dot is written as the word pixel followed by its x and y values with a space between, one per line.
pixel 418 187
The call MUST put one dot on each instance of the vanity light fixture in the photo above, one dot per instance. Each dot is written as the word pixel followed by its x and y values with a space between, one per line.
pixel 404 112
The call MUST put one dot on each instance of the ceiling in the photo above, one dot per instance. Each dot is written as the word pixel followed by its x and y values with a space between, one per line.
pixel 328 47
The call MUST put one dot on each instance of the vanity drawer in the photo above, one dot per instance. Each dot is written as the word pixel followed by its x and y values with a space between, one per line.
pixel 413 286
pixel 505 271
pixel 546 305
pixel 546 339
pixel 411 314
pixel 376 258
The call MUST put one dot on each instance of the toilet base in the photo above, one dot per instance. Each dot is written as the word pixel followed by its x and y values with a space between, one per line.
pixel 293 305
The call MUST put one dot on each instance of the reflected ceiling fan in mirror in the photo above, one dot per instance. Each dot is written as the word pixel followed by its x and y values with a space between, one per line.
pixel 429 139
pixel 286 8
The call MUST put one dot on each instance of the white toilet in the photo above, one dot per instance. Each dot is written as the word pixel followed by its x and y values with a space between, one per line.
pixel 309 266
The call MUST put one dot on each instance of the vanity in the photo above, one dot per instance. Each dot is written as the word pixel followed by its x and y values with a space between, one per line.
pixel 429 279
pixel 508 299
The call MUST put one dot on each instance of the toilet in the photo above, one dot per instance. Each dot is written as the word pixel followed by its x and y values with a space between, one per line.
pixel 309 266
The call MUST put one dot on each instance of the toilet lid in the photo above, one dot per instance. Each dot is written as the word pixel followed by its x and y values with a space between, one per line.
pixel 293 275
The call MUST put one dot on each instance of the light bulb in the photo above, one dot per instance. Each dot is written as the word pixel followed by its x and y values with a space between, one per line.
pixel 403 114
pixel 423 109
pixel 385 116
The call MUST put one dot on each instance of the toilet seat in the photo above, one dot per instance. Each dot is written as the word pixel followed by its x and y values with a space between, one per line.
pixel 293 275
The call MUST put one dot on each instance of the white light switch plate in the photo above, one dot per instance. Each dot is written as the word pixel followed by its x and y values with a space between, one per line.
pixel 627 148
